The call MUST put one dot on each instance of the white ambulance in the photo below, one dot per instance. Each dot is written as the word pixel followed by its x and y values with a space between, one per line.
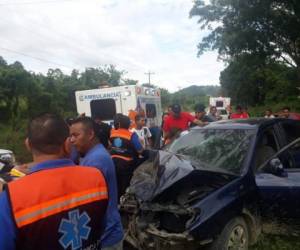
pixel 104 103
pixel 222 104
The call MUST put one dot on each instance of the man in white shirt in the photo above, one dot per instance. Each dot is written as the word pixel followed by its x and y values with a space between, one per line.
pixel 142 131
pixel 269 114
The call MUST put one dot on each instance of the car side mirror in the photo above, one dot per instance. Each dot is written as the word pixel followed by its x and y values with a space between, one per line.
pixel 275 167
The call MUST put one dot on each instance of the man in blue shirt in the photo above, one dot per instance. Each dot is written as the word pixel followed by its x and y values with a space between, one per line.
pixel 53 207
pixel 92 153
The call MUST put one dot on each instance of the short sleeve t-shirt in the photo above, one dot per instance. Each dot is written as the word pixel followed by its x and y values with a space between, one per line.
pixel 239 116
pixel 144 134
pixel 182 122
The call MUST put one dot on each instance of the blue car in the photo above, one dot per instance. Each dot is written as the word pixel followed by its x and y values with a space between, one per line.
pixel 217 187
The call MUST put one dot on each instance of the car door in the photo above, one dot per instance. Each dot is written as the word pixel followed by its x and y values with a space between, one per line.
pixel 290 132
pixel 274 190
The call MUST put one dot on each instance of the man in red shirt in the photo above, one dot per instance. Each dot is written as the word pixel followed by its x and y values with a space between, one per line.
pixel 239 114
pixel 179 121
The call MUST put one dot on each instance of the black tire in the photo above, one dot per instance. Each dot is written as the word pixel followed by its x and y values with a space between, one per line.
pixel 234 236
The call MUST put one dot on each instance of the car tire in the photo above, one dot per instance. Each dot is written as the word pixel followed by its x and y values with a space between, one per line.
pixel 234 236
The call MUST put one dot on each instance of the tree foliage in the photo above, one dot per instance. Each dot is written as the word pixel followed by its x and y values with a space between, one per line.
pixel 25 94
pixel 259 41
pixel 268 27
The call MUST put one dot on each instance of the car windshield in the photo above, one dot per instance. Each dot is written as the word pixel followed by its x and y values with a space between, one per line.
pixel 215 149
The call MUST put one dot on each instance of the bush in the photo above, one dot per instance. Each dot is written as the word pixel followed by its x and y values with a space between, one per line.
pixel 258 111
pixel 14 140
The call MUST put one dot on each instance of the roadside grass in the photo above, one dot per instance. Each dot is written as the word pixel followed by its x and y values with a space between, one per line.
pixel 271 242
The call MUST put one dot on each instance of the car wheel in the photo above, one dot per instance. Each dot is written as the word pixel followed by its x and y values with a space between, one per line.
pixel 235 236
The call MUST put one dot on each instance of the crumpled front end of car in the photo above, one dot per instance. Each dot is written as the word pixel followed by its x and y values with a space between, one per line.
pixel 156 226
pixel 159 208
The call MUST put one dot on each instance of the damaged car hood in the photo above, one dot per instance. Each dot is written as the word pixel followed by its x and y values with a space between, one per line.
pixel 153 177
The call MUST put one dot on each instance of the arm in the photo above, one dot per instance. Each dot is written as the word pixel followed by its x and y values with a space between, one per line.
pixel 192 119
pixel 136 143
pixel 149 137
pixel 200 123
pixel 8 229
pixel 166 129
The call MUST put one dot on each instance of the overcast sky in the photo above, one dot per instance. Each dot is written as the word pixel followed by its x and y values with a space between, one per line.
pixel 134 35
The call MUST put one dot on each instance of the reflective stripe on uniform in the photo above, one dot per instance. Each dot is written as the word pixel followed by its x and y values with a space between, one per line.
pixel 43 210
pixel 121 133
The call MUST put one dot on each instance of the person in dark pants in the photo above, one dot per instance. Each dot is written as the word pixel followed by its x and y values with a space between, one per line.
pixel 53 207
pixel 125 151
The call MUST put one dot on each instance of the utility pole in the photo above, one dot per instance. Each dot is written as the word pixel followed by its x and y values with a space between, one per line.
pixel 149 73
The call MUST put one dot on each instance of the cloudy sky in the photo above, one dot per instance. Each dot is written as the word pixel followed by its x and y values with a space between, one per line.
pixel 135 35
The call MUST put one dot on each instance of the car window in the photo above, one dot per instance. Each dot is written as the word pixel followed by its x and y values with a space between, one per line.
pixel 104 109
pixel 266 147
pixel 223 149
pixel 150 110
pixel 223 112
pixel 292 132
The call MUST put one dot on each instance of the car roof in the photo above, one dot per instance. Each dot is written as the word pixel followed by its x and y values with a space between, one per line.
pixel 251 123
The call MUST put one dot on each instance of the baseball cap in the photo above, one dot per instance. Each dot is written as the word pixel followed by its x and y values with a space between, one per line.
pixel 176 108
pixel 199 108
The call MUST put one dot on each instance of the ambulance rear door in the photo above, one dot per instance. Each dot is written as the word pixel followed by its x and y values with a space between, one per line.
pixel 150 102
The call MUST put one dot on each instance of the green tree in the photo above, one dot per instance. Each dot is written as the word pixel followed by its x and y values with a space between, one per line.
pixel 130 82
pixel 15 82
pixel 252 80
pixel 269 28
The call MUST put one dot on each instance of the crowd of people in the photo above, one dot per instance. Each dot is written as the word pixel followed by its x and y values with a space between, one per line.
pixel 81 167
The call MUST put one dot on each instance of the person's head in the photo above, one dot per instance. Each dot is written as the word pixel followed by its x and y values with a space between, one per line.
pixel 83 135
pixel 164 115
pixel 238 109
pixel 268 112
pixel 121 121
pixel 176 110
pixel 286 112
pixel 48 135
pixel 169 109
pixel 199 111
pixel 140 121
pixel 213 110
pixel 69 120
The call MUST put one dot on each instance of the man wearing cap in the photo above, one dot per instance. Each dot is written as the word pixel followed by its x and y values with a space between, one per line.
pixel 200 114
pixel 179 120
